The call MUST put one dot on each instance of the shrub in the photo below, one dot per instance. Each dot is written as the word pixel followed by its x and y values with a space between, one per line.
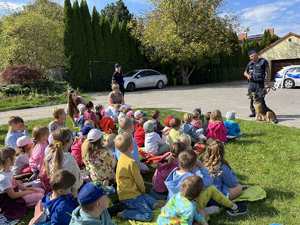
pixel 20 74
pixel 39 87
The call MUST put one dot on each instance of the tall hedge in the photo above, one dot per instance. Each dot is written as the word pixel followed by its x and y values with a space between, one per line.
pixel 93 45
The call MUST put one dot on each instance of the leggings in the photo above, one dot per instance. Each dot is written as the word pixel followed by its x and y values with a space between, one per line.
pixel 33 198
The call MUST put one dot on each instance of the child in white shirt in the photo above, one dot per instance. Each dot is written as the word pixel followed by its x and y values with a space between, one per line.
pixel 153 142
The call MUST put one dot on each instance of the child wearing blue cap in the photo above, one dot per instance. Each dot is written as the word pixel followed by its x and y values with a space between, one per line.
pixel 93 207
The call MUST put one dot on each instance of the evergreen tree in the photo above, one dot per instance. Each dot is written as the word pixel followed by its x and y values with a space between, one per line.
pixel 97 34
pixel 87 28
pixel 124 46
pixel 107 39
pixel 79 63
pixel 117 9
pixel 68 32
pixel 115 40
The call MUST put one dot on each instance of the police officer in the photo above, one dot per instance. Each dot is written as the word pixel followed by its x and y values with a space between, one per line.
pixel 256 73
pixel 117 78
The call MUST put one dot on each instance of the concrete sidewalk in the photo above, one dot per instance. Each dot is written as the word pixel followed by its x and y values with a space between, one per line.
pixel 225 96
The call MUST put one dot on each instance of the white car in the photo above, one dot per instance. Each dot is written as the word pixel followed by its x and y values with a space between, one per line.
pixel 144 78
pixel 288 77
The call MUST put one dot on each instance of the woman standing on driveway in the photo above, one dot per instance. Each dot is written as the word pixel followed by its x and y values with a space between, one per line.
pixel 117 78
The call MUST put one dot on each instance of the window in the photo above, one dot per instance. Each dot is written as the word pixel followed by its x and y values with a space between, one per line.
pixel 153 72
pixel 147 73
pixel 131 73
pixel 290 70
pixel 297 70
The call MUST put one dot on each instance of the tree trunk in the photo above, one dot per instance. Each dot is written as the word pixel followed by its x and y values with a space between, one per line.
pixel 186 73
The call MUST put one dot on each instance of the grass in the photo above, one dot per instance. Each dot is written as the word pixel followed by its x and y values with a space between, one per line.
pixel 267 155
pixel 32 101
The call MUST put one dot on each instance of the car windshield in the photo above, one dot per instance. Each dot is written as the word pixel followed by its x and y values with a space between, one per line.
pixel 131 73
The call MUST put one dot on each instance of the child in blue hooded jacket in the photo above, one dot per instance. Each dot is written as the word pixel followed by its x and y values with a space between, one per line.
pixel 59 204
pixel 233 128
pixel 187 161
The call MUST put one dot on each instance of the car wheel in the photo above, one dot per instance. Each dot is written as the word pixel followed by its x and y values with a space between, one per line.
pixel 289 83
pixel 160 84
pixel 131 87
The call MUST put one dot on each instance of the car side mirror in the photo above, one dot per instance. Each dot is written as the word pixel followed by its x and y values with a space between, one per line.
pixel 138 77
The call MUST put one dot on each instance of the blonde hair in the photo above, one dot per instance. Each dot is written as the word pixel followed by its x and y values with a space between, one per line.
pixel 216 115
pixel 123 142
pixel 60 138
pixel 125 123
pixel 214 157
pixel 115 87
pixel 186 139
pixel 38 133
pixel 91 147
pixel 110 141
pixel 187 117
pixel 58 112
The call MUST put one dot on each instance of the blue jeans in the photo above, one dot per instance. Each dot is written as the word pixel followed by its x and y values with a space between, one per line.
pixel 139 208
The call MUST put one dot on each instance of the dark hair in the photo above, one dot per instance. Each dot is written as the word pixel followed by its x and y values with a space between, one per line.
pixel 156 114
pixel 197 112
pixel 62 180
pixel 89 105
pixel 187 159
pixel 177 148
pixel 175 123
pixel 207 116
pixel 191 187
pixel 72 107
pixel 5 154
pixel 15 120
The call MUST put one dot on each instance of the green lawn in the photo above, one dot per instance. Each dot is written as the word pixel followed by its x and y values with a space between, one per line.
pixel 267 155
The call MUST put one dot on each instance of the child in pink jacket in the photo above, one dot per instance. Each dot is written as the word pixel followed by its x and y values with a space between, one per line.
pixel 216 128
pixel 40 139
pixel 76 146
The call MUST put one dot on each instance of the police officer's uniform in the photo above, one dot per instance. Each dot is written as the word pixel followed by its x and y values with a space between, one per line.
pixel 257 70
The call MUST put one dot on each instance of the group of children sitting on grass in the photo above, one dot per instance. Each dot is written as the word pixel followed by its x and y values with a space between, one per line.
pixel 73 177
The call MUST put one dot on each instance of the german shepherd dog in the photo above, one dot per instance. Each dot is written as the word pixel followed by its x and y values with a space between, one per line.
pixel 263 113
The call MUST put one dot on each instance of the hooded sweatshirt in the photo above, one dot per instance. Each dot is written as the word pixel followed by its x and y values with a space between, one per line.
pixel 174 180
pixel 79 217
pixel 59 210
pixel 217 131
pixel 233 128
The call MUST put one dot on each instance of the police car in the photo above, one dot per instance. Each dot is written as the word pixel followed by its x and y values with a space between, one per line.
pixel 288 77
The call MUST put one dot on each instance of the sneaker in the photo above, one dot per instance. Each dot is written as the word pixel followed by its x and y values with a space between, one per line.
pixel 252 115
pixel 241 210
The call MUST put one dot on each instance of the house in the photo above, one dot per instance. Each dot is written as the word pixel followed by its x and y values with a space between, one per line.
pixel 284 52
pixel 256 37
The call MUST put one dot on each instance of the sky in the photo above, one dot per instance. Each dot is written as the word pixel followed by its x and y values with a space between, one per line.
pixel 257 15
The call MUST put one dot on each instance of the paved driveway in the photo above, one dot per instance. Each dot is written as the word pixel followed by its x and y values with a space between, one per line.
pixel 225 96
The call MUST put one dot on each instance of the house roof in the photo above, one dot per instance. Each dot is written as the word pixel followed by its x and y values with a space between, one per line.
pixel 279 41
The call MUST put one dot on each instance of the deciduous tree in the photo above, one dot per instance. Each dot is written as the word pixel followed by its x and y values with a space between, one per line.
pixel 186 32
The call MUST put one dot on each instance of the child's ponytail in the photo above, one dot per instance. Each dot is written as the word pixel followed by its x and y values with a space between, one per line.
pixel 60 138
